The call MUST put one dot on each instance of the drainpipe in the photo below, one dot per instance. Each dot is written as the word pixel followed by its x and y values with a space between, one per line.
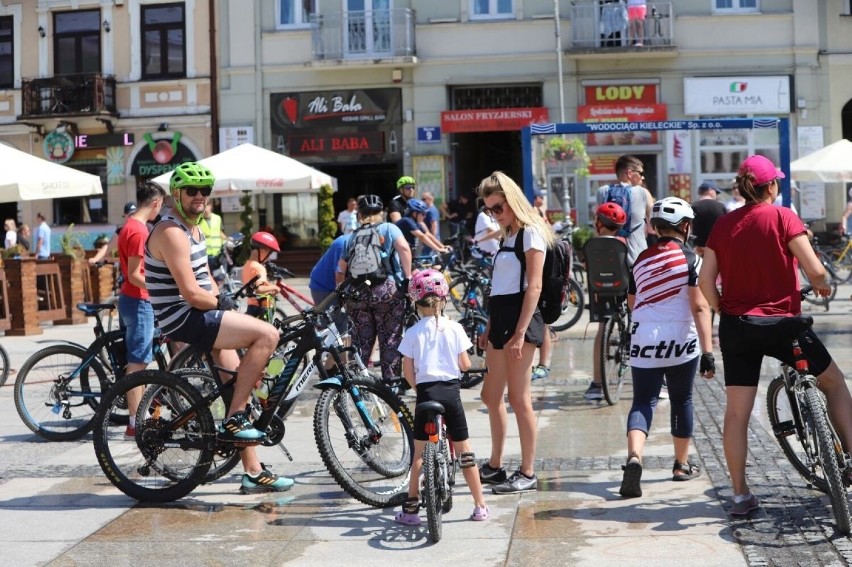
pixel 214 80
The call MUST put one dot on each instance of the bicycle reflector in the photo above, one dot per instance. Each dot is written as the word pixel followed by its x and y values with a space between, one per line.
pixel 431 428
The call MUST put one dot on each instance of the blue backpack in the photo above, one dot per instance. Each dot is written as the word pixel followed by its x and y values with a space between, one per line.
pixel 620 194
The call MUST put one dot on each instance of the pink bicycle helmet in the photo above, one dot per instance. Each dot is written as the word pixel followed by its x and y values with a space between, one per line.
pixel 426 283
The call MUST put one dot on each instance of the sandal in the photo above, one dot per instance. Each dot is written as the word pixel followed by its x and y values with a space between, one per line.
pixel 689 470
pixel 409 515
pixel 630 487
pixel 480 513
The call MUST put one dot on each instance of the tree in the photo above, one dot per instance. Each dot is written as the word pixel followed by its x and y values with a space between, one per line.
pixel 327 222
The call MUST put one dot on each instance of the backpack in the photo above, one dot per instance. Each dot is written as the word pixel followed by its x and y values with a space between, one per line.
pixel 367 257
pixel 620 194
pixel 555 276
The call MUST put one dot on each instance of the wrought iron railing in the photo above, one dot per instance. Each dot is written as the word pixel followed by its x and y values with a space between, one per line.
pixel 370 34
pixel 599 24
pixel 87 93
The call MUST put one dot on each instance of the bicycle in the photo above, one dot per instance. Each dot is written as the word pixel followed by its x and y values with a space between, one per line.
pixel 286 293
pixel 615 352
pixel 797 412
pixel 573 303
pixel 830 277
pixel 4 365
pixel 440 466
pixel 59 388
pixel 841 259
pixel 362 431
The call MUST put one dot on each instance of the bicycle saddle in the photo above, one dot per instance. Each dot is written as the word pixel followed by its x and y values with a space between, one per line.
pixel 92 308
pixel 436 407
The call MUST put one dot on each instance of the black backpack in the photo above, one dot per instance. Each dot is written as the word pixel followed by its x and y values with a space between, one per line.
pixel 555 276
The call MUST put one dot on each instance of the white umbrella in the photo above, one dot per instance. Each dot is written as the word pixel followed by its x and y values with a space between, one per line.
pixel 25 177
pixel 250 168
pixel 831 163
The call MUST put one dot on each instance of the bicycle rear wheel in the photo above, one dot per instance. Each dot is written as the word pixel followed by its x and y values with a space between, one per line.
pixel 431 491
pixel 615 352
pixel 842 264
pixel 829 448
pixel 4 365
pixel 165 460
pixel 56 393
pixel 799 444
pixel 373 469
pixel 816 300
pixel 572 307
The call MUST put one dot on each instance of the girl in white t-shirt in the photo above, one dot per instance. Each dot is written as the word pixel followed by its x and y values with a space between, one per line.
pixel 11 234
pixel 515 327
pixel 434 354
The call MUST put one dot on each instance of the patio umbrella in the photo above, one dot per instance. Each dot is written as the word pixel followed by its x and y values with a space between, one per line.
pixel 25 177
pixel 828 164
pixel 250 168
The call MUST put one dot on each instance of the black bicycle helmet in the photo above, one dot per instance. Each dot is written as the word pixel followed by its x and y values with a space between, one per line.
pixel 369 205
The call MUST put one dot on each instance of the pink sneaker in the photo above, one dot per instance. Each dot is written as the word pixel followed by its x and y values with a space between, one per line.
pixel 480 513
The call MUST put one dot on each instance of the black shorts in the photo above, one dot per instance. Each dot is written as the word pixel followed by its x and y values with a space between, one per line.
pixel 448 394
pixel 744 341
pixel 199 330
pixel 505 310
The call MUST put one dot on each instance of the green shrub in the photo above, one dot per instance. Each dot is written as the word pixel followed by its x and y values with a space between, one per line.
pixel 327 222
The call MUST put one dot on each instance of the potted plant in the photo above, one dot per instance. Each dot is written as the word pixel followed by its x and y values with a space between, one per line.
pixel 560 148
pixel 71 244
pixel 71 268
pixel 327 224
pixel 579 238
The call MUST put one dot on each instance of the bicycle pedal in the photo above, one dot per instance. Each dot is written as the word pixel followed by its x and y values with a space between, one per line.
pixel 784 429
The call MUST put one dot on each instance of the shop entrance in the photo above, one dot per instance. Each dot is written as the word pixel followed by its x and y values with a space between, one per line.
pixel 360 179
pixel 478 154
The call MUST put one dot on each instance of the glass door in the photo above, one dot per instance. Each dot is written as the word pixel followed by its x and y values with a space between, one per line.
pixel 368 28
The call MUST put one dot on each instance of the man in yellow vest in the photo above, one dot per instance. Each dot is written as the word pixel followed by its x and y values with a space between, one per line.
pixel 211 227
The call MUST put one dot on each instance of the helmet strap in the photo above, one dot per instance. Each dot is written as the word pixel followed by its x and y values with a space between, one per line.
pixel 182 213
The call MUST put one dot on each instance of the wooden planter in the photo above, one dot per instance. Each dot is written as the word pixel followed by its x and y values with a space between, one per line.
pixel 5 316
pixel 103 279
pixel 23 297
pixel 73 289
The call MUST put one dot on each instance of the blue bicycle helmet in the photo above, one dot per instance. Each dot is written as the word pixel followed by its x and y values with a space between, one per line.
pixel 417 206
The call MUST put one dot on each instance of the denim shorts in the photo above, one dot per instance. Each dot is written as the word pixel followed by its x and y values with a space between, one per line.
pixel 200 329
pixel 137 320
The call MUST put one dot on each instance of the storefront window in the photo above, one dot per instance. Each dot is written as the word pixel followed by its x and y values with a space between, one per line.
pixel 723 150
pixel 298 226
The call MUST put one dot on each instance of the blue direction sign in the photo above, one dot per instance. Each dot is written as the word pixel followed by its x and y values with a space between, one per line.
pixel 428 134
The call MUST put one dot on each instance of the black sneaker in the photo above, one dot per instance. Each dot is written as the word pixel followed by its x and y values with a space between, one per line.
pixel 490 475
pixel 518 482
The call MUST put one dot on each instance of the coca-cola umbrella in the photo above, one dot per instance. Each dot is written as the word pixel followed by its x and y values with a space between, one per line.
pixel 250 168
pixel 829 164
pixel 25 177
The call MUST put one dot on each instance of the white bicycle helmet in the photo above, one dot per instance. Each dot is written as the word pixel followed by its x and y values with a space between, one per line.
pixel 670 212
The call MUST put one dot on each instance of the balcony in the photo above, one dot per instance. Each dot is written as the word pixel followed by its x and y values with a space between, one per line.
pixel 68 95
pixel 599 29
pixel 376 36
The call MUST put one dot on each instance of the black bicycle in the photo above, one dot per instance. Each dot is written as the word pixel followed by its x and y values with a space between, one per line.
pixel 615 352
pixel 439 468
pixel 797 412
pixel 4 365
pixel 59 387
pixel 362 430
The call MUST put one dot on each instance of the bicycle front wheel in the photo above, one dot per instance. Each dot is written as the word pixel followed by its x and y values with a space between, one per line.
pixel 172 450
pixel 842 263
pixel 431 491
pixel 831 457
pixel 57 392
pixel 474 326
pixel 367 449
pixel 572 307
pixel 798 443
pixel 615 352
pixel 4 365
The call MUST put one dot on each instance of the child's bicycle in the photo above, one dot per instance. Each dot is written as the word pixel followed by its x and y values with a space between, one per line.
pixel 439 467
pixel 797 411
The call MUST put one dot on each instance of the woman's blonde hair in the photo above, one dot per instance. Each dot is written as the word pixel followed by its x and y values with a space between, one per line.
pixel 498 183
pixel 9 224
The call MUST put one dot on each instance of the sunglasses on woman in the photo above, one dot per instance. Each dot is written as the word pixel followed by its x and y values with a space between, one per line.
pixel 193 191
pixel 495 210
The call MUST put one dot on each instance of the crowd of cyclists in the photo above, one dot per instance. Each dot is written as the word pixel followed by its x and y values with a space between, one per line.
pixel 673 290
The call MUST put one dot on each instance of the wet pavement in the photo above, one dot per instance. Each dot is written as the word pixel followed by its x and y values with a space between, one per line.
pixel 57 508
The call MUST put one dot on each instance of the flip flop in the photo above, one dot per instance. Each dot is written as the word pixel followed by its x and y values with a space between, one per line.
pixel 689 470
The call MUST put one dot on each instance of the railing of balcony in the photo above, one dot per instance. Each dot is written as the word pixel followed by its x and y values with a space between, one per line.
pixel 86 93
pixel 369 34
pixel 601 24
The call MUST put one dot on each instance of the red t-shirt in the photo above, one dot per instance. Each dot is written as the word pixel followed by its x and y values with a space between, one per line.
pixel 131 242
pixel 759 273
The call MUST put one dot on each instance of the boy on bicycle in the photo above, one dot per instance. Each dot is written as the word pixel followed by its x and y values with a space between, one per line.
pixel 262 244
pixel 434 354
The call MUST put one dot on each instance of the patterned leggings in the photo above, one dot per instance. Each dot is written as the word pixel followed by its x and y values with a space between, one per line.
pixel 381 315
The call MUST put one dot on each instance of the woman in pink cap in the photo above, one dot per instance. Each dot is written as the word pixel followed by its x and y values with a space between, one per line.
pixel 772 242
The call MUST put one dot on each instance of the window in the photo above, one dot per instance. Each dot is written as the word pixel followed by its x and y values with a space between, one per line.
pixel 163 41
pixel 7 55
pixel 295 12
pixel 484 9
pixel 736 5
pixel 77 42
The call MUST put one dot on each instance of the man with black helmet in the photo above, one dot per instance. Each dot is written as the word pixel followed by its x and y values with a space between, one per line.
pixel 189 308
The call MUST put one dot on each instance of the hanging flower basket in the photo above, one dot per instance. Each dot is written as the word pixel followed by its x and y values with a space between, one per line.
pixel 568 149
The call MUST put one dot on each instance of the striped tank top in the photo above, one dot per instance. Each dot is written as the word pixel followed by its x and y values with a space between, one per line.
pixel 170 309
